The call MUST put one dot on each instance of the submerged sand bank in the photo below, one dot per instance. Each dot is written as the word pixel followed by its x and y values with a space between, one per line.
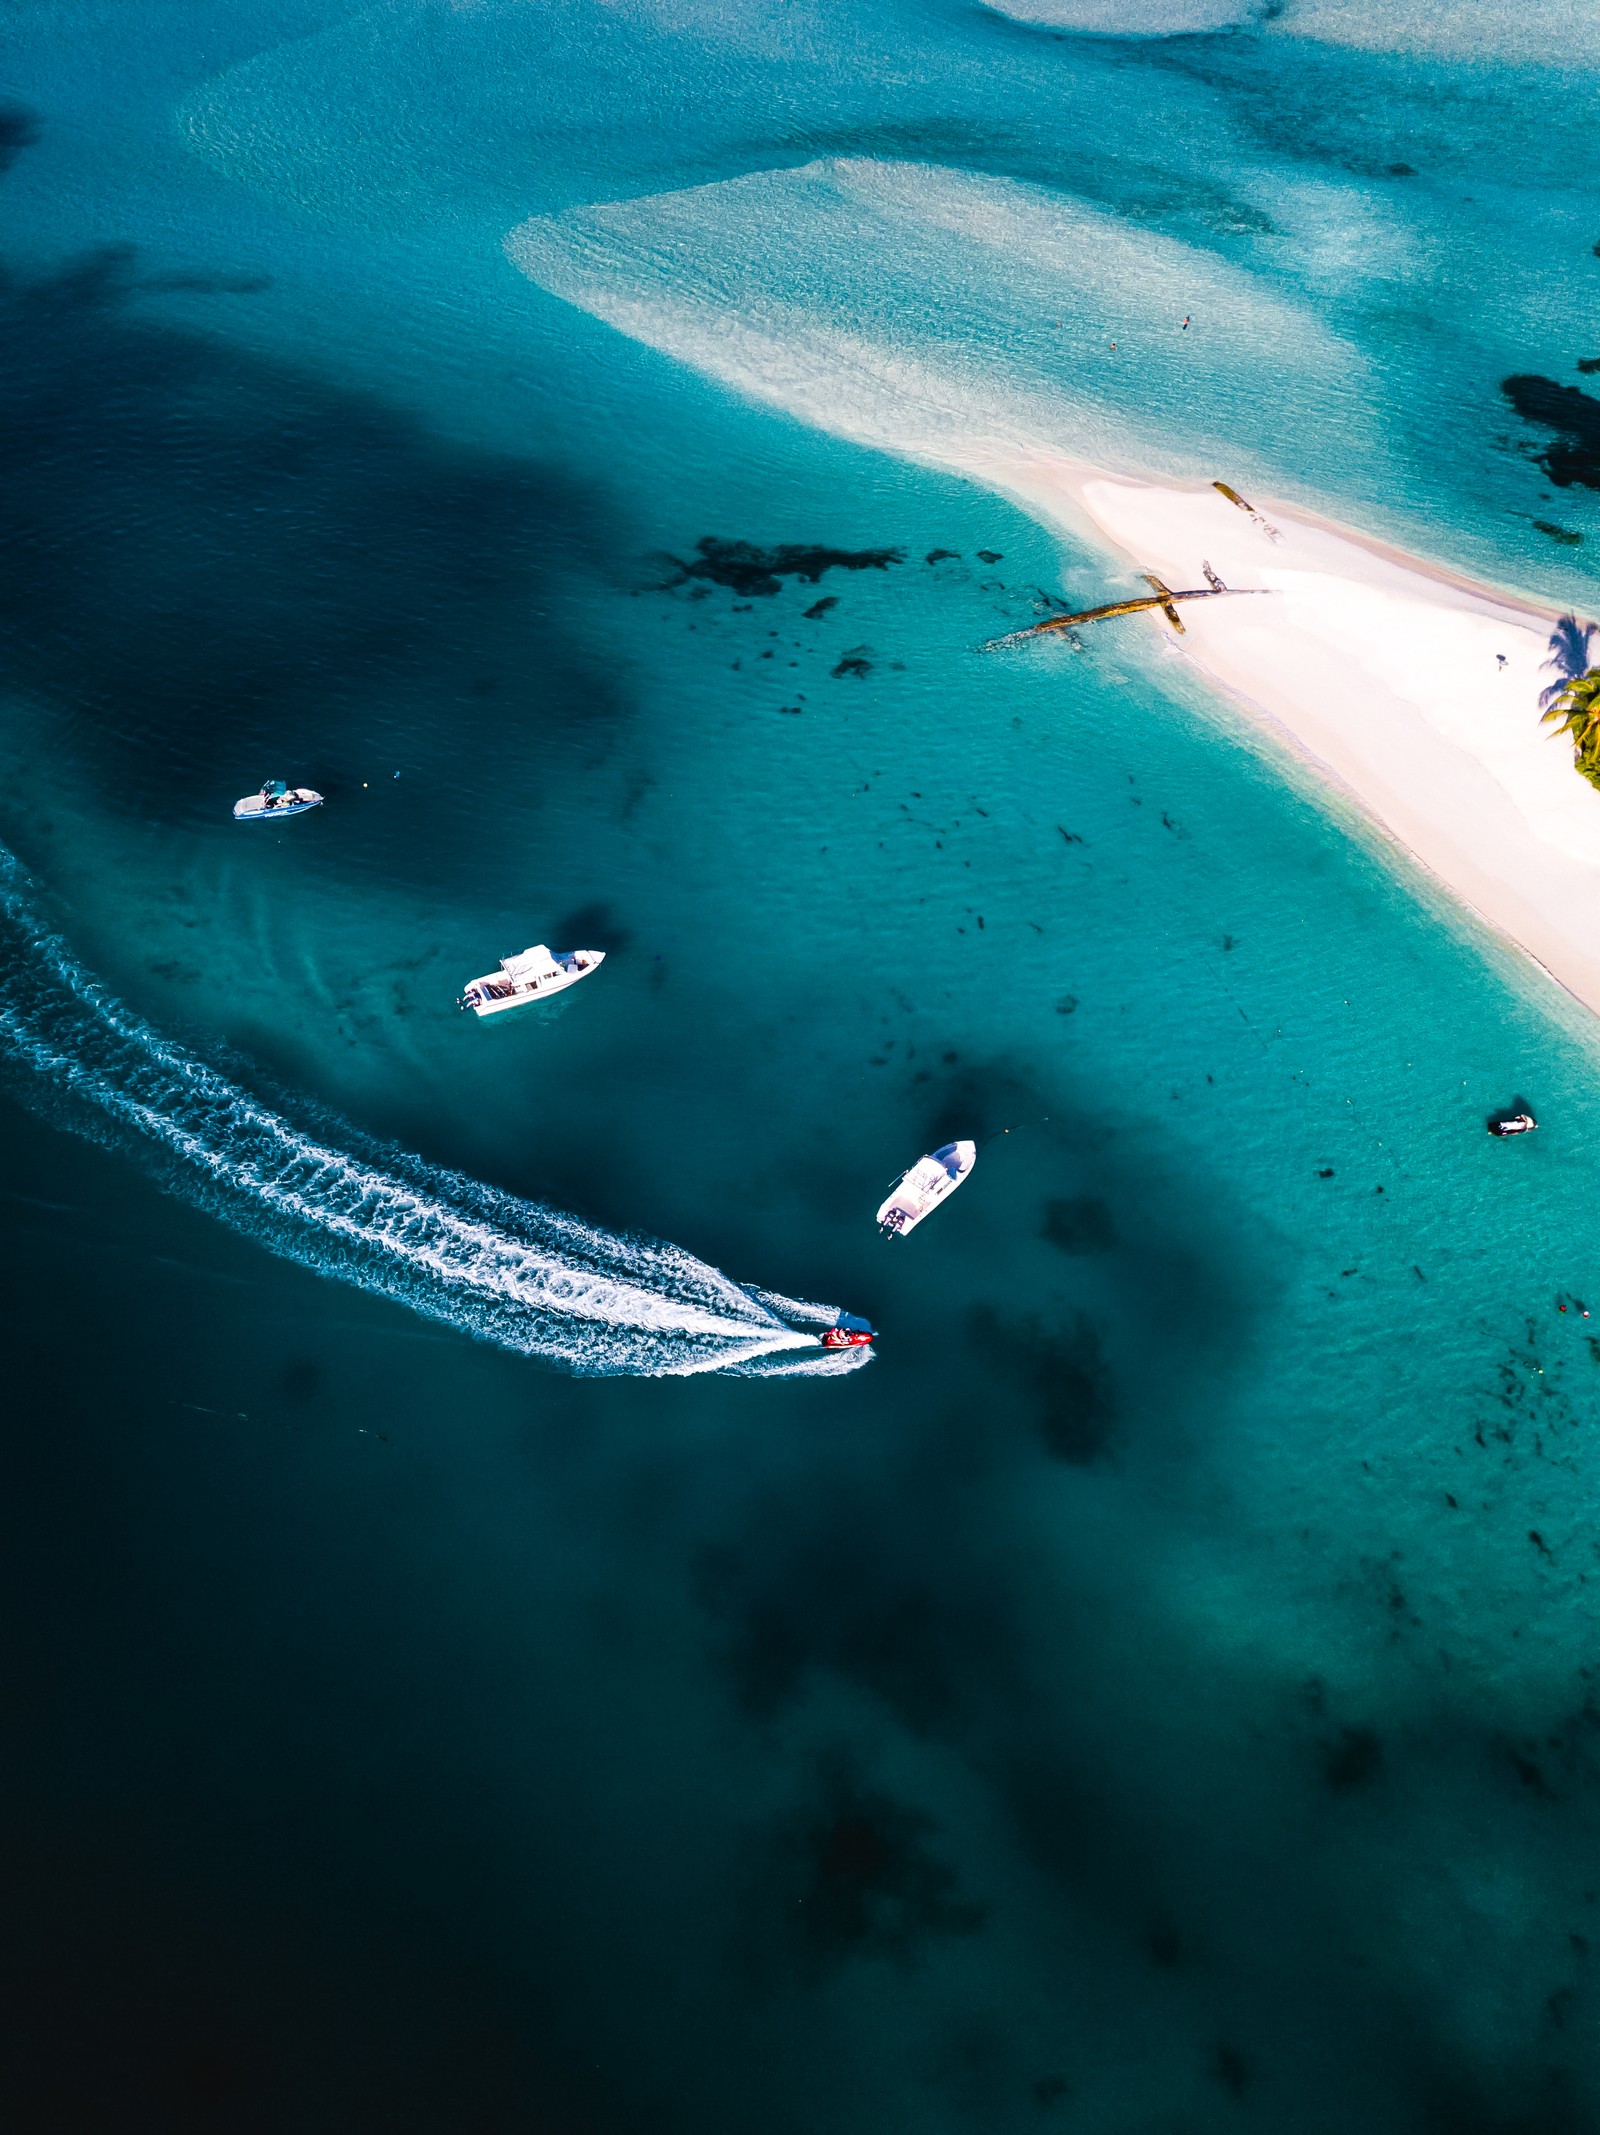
pixel 1417 689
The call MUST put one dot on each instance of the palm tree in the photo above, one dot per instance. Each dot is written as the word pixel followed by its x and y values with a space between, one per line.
pixel 1570 644
pixel 1575 707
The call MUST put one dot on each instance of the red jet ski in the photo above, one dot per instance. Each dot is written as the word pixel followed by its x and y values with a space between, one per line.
pixel 847 1338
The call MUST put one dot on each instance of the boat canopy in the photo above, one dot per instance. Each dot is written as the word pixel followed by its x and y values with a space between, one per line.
pixel 532 964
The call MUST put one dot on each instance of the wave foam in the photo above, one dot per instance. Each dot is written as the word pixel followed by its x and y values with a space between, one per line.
pixel 504 1270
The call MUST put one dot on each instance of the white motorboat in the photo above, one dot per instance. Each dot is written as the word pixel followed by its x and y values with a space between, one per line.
pixel 930 1180
pixel 274 800
pixel 1505 1123
pixel 535 975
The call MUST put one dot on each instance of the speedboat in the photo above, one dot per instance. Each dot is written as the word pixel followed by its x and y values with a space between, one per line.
pixel 1513 1123
pixel 533 976
pixel 847 1338
pixel 274 800
pixel 930 1180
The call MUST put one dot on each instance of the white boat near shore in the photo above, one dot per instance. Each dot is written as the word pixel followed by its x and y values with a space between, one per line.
pixel 919 1191
pixel 535 975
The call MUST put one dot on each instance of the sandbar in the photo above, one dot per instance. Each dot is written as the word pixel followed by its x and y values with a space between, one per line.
pixel 1416 689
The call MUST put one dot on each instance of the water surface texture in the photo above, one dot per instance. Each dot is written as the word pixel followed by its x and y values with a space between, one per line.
pixel 471 1665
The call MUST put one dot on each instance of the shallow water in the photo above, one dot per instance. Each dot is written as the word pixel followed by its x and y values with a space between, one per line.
pixel 1157 1691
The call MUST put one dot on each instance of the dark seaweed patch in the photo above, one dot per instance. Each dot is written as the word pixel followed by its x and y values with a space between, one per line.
pixel 1079 1226
pixel 751 571
pixel 833 1602
pixel 1230 2070
pixel 854 662
pixel 19 129
pixel 939 555
pixel 208 285
pixel 1588 365
pixel 1066 1375
pixel 820 608
pixel 1574 454
pixel 1564 534
pixel 865 1878
pixel 1354 1760
pixel 212 557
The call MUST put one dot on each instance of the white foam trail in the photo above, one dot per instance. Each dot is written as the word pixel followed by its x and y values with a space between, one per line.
pixel 502 1269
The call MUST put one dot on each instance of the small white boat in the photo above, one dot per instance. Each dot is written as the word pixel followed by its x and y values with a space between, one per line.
pixel 930 1180
pixel 533 976
pixel 1505 1123
pixel 274 800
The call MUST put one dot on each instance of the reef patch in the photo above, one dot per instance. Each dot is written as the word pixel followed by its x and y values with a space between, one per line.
pixel 752 571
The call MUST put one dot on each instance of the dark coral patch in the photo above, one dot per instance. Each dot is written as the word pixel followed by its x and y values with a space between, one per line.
pixel 1065 1373
pixel 1355 1760
pixel 1079 1226
pixel 750 570
pixel 1573 455
pixel 19 129
pixel 869 1880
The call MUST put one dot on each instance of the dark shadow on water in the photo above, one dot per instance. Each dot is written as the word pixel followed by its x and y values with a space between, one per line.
pixel 219 566
pixel 591 926
pixel 19 129
pixel 1081 1225
pixel 854 1874
pixel 1062 1371
pixel 1573 455
pixel 752 571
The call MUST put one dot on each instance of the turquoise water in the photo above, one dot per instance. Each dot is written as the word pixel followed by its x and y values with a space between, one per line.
pixel 1157 1691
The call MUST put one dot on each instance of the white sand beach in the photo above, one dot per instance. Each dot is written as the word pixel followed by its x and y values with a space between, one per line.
pixel 1415 688
pixel 1386 672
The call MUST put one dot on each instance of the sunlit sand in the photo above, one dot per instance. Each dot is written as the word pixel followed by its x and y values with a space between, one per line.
pixel 1417 690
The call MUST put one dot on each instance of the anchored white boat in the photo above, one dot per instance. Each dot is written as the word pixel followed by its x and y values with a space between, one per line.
pixel 274 800
pixel 533 976
pixel 930 1180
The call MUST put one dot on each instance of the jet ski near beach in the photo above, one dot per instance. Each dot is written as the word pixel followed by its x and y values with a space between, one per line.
pixel 533 976
pixel 274 800
pixel 919 1191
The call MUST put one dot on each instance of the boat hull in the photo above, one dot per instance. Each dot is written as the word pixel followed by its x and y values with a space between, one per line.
pixel 582 963
pixel 253 809
pixel 919 1191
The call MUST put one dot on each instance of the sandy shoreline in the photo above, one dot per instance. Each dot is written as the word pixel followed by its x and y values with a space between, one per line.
pixel 1385 671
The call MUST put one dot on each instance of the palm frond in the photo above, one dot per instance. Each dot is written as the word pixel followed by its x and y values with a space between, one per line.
pixel 1575 708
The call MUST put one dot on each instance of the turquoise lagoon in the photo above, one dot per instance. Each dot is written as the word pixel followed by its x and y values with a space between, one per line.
pixel 1157 1693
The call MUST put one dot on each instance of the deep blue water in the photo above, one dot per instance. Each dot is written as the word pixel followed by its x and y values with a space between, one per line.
pixel 1157 1692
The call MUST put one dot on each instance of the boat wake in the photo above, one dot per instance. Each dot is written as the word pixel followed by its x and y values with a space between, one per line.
pixel 493 1266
